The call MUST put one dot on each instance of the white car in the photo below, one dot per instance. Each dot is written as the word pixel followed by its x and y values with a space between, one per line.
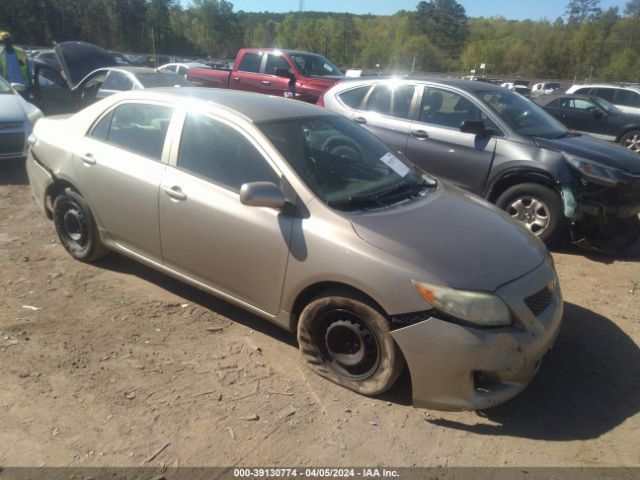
pixel 181 68
pixel 17 118
pixel 624 96
pixel 545 88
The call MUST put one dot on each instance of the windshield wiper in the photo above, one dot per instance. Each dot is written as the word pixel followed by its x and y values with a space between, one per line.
pixel 412 189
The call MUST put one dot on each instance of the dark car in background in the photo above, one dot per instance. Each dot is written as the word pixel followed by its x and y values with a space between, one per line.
pixel 505 148
pixel 595 116
pixel 89 73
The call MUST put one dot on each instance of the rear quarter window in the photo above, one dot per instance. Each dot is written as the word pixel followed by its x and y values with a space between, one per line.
pixel 250 63
pixel 353 98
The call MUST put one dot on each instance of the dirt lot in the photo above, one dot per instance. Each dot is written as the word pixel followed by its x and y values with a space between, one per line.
pixel 118 361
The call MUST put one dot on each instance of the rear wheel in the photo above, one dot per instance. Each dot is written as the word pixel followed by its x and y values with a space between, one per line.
pixel 538 207
pixel 76 227
pixel 346 340
pixel 631 141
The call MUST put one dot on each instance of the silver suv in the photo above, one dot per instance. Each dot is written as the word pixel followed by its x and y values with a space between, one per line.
pixel 505 148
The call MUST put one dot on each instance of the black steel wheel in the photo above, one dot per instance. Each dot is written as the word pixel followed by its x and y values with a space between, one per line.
pixel 346 340
pixel 76 227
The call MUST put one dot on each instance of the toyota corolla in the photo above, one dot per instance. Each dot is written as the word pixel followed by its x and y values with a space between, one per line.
pixel 307 220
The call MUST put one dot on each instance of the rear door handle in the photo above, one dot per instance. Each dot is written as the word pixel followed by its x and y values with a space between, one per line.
pixel 360 120
pixel 88 159
pixel 266 82
pixel 175 192
pixel 420 134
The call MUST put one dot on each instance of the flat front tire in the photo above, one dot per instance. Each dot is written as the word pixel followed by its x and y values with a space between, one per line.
pixel 76 227
pixel 538 207
pixel 346 340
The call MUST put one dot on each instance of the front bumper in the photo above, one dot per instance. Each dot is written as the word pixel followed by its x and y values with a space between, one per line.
pixel 454 367
pixel 40 180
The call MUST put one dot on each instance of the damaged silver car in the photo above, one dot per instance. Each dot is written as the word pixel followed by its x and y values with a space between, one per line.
pixel 309 221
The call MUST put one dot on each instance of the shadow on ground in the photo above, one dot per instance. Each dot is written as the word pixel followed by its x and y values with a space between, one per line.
pixel 121 264
pixel 587 385
pixel 13 172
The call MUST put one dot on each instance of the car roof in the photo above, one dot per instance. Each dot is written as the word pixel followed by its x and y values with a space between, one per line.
pixel 254 107
pixel 468 85
pixel 635 87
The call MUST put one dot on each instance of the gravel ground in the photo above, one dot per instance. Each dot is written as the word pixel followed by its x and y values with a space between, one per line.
pixel 116 361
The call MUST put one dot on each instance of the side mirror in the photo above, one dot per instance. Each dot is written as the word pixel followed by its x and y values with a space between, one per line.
pixel 597 113
pixel 262 194
pixel 18 87
pixel 283 72
pixel 475 127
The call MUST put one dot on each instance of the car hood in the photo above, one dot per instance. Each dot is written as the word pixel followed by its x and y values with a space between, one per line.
pixel 78 59
pixel 10 109
pixel 594 149
pixel 455 238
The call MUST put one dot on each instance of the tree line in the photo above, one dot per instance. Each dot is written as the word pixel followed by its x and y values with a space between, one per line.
pixel 438 36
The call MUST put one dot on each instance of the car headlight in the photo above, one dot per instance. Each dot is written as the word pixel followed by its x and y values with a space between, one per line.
pixel 483 309
pixel 593 170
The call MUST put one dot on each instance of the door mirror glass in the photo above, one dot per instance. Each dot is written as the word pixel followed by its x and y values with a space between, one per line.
pixel 262 194
pixel 475 127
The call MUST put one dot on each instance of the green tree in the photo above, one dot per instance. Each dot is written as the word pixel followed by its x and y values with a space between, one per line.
pixel 579 11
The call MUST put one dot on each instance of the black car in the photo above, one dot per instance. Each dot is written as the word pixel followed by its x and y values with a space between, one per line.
pixel 88 73
pixel 595 116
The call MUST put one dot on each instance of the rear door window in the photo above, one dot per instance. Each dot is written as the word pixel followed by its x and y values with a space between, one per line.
pixel 250 63
pixel 140 128
pixel 606 93
pixel 215 151
pixel 117 81
pixel 380 100
pixel 628 98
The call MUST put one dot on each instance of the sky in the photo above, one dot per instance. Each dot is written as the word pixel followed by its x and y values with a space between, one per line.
pixel 510 9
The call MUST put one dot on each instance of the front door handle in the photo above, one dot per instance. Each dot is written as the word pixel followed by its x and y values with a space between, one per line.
pixel 360 120
pixel 420 134
pixel 266 82
pixel 175 192
pixel 236 79
pixel 88 159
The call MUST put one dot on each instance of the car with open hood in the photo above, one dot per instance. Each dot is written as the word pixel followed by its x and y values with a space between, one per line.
pixel 307 220
pixel 90 73
pixel 507 149
pixel 17 118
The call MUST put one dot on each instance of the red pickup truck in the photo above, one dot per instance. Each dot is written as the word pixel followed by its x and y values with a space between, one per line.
pixel 300 75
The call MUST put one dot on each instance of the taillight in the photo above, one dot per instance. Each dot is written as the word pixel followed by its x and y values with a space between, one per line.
pixel 320 101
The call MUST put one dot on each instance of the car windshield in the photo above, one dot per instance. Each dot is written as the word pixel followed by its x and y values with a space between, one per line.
pixel 522 115
pixel 344 165
pixel 162 79
pixel 315 65
pixel 4 86
pixel 606 106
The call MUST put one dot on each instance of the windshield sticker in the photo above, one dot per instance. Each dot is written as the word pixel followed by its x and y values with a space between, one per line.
pixel 327 67
pixel 395 164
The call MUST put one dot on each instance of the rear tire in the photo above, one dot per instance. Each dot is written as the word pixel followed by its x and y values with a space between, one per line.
pixel 76 227
pixel 538 207
pixel 346 340
pixel 631 141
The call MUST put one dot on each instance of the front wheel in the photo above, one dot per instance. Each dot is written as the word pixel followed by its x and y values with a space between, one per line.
pixel 631 141
pixel 538 207
pixel 346 340
pixel 76 227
